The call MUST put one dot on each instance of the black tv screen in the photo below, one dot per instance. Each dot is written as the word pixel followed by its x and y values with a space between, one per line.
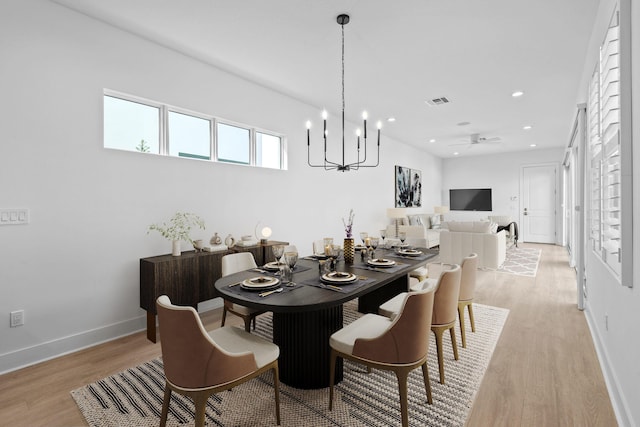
pixel 470 199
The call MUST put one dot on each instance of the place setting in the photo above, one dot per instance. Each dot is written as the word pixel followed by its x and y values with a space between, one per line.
pixel 338 281
pixel 260 287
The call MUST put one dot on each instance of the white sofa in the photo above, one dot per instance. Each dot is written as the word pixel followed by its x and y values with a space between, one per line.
pixel 419 229
pixel 463 238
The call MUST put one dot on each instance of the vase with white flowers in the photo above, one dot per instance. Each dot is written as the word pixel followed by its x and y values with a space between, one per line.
pixel 349 248
pixel 177 229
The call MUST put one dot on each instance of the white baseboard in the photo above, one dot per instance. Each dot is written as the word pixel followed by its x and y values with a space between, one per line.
pixel 620 406
pixel 24 357
pixel 59 347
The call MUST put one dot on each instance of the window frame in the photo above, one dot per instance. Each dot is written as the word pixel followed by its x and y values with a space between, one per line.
pixel 163 132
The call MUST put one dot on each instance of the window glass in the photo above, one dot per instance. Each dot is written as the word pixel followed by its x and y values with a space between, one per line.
pixel 189 136
pixel 233 144
pixel 268 148
pixel 131 126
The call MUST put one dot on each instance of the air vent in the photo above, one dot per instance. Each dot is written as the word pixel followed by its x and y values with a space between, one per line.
pixel 438 101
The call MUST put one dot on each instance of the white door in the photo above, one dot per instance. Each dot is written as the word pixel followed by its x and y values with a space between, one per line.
pixel 538 204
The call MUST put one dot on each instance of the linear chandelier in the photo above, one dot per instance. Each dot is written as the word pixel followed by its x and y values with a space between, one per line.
pixel 360 162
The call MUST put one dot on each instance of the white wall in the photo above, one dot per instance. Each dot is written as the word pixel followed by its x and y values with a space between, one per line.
pixel 499 172
pixel 612 309
pixel 74 268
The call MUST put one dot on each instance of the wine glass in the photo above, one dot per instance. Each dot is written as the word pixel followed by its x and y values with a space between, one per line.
pixel 403 236
pixel 363 236
pixel 383 234
pixel 291 258
pixel 278 250
pixel 373 241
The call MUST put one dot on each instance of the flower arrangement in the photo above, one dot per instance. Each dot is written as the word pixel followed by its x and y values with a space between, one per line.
pixel 179 226
pixel 348 225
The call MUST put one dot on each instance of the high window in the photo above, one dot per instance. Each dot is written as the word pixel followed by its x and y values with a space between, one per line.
pixel 136 124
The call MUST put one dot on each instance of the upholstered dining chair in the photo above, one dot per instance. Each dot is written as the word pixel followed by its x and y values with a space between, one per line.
pixel 233 263
pixel 445 306
pixel 198 364
pixel 468 275
pixel 399 345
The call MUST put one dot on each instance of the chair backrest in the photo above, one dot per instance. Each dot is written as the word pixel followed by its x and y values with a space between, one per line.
pixel 191 358
pixel 468 275
pixel 240 261
pixel 445 303
pixel 407 339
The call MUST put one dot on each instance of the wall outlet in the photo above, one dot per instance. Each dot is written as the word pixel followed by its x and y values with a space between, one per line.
pixel 17 318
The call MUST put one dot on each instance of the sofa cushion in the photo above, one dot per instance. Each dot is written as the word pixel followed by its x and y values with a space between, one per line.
pixel 415 220
pixel 469 226
pixel 434 220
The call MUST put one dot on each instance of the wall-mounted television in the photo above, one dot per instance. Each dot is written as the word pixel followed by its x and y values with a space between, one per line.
pixel 470 199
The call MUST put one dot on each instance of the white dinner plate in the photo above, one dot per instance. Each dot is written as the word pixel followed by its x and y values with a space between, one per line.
pixel 273 266
pixel 339 277
pixel 259 283
pixel 381 262
pixel 410 252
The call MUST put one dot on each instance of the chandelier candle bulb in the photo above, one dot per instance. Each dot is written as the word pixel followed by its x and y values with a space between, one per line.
pixel 364 117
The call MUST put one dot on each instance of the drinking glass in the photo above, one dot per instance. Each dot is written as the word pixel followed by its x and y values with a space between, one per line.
pixel 374 245
pixel 403 236
pixel 291 258
pixel 278 250
pixel 364 236
pixel 383 234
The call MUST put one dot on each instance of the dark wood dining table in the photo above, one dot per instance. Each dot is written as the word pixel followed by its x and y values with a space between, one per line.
pixel 305 317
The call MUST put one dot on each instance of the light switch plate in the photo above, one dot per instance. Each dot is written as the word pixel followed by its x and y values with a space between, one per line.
pixel 14 216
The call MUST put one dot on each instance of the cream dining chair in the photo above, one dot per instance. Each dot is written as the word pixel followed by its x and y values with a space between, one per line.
pixel 198 364
pixel 399 345
pixel 467 289
pixel 233 263
pixel 445 306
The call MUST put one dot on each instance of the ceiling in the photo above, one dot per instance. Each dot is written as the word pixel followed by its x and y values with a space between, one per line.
pixel 398 55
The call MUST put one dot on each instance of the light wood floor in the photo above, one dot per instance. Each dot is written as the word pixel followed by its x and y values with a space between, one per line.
pixel 544 371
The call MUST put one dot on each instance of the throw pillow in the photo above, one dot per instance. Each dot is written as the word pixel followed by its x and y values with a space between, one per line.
pixel 415 220
pixel 435 221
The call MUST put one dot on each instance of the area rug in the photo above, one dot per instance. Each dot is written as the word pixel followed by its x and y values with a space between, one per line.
pixel 134 397
pixel 521 261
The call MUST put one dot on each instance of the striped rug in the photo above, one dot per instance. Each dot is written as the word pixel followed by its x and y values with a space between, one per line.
pixel 134 397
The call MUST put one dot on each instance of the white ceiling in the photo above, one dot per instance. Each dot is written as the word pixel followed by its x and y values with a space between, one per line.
pixel 398 54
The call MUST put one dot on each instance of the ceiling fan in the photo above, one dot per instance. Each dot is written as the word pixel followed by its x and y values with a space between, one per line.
pixel 476 139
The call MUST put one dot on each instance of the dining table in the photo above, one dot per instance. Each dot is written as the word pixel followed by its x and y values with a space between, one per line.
pixel 307 314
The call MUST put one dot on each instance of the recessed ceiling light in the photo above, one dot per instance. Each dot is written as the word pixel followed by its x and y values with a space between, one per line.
pixel 455 153
pixel 532 145
pixel 517 93
pixel 391 119
pixel 464 123
pixel 432 140
pixel 527 127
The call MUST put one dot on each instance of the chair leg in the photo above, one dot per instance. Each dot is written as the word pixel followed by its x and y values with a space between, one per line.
pixel 427 382
pixel 473 323
pixel 454 343
pixel 247 323
pixel 438 333
pixel 276 387
pixel 462 328
pixel 332 372
pixel 224 315
pixel 200 401
pixel 254 322
pixel 404 401
pixel 165 406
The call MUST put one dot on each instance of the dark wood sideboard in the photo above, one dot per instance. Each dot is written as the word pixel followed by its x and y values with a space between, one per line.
pixel 188 279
